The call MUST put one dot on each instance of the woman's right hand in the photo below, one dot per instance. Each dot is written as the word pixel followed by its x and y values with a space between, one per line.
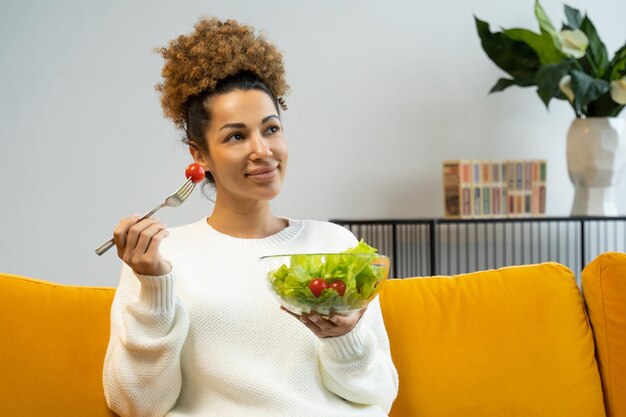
pixel 138 245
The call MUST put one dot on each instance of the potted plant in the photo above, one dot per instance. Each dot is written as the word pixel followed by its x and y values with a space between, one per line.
pixel 572 64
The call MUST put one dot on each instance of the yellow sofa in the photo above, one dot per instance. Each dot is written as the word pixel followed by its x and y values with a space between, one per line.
pixel 516 341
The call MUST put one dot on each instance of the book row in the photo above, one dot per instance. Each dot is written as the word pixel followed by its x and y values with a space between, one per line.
pixel 503 188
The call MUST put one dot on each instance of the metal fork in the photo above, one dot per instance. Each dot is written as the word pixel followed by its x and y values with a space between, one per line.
pixel 173 200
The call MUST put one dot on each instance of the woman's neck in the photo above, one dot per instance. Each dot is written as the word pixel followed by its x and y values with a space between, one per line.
pixel 253 222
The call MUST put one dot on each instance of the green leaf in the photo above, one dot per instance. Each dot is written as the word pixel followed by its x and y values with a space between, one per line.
pixel 586 89
pixel 541 44
pixel 604 106
pixel 548 78
pixel 362 247
pixel 546 25
pixel 501 85
pixel 504 83
pixel 574 18
pixel 596 50
pixel 618 65
pixel 515 57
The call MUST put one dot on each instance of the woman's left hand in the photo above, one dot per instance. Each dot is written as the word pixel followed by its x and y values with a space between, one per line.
pixel 333 326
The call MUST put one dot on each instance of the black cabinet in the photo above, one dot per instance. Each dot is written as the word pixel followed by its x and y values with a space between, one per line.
pixel 425 247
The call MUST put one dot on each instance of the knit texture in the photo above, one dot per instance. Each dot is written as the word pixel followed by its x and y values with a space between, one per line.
pixel 209 338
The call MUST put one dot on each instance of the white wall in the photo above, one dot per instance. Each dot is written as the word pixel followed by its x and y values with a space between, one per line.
pixel 382 92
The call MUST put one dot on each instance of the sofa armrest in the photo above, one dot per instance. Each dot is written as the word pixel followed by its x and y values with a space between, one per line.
pixel 604 290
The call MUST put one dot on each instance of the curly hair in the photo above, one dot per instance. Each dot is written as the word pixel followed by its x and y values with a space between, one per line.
pixel 215 50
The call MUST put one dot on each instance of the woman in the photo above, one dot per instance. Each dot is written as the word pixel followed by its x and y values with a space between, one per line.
pixel 194 329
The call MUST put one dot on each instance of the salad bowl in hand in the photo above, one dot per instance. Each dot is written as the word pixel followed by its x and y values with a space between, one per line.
pixel 327 283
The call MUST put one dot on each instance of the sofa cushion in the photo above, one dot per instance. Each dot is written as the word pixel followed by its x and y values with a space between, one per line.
pixel 511 342
pixel 604 289
pixel 52 348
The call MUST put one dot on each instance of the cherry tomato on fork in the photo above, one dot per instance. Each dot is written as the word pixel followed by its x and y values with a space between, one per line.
pixel 195 172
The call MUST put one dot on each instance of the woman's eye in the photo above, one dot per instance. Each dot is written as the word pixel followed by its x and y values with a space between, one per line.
pixel 235 137
pixel 273 129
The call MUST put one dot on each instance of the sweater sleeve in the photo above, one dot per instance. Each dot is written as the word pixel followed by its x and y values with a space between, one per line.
pixel 142 373
pixel 357 366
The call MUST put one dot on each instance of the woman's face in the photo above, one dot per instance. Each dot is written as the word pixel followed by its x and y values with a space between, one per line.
pixel 247 152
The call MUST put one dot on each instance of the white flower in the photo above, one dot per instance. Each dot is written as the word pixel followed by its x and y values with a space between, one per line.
pixel 565 85
pixel 574 43
pixel 618 90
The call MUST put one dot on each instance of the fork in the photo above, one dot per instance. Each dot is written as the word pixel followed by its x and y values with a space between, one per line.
pixel 174 200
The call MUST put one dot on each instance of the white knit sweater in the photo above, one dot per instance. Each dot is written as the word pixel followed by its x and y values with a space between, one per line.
pixel 209 339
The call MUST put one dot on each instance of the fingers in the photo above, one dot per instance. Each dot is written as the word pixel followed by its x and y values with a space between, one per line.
pixel 307 320
pixel 344 321
pixel 120 232
pixel 153 244
pixel 290 313
pixel 143 233
pixel 131 235
pixel 139 235
pixel 315 323
pixel 335 325
pixel 319 323
pixel 138 244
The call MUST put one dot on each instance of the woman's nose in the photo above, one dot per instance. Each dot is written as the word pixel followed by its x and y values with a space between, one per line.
pixel 260 150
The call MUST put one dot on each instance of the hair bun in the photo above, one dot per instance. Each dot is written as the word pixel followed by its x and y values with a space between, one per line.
pixel 215 50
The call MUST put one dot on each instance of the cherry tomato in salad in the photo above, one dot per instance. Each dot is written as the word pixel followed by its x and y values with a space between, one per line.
pixel 339 286
pixel 317 285
pixel 195 172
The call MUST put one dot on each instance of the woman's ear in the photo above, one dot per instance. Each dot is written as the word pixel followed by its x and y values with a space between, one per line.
pixel 200 157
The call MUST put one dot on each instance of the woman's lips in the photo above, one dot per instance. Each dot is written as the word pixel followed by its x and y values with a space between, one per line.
pixel 263 174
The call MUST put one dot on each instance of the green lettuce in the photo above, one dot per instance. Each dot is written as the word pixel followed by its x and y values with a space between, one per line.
pixel 355 267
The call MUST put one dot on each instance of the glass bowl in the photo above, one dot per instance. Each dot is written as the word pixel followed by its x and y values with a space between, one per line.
pixel 325 283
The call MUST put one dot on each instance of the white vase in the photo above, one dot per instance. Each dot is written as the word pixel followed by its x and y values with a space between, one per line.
pixel 596 155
